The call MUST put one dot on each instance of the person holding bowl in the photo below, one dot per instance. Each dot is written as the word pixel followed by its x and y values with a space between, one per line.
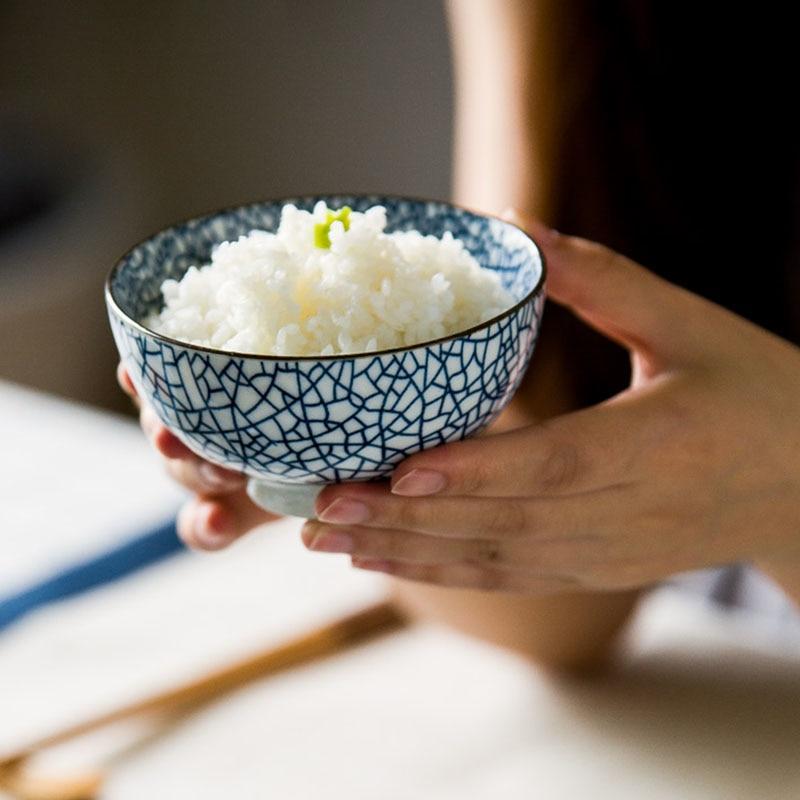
pixel 542 533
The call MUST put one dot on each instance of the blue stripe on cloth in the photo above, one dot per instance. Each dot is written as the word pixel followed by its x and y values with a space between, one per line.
pixel 122 560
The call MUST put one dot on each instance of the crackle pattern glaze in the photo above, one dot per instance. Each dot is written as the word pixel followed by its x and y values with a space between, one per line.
pixel 335 418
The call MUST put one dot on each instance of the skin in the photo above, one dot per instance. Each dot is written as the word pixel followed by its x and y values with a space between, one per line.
pixel 570 631
pixel 697 464
pixel 220 511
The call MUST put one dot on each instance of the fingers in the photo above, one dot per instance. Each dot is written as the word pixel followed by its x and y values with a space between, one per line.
pixel 548 559
pixel 162 439
pixel 165 442
pixel 126 384
pixel 214 523
pixel 372 505
pixel 204 478
pixel 398 545
pixel 187 468
pixel 538 519
pixel 221 512
pixel 613 294
pixel 576 453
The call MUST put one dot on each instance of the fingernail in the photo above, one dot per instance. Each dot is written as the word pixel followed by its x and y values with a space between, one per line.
pixel 214 476
pixel 332 542
pixel 419 482
pixel 344 511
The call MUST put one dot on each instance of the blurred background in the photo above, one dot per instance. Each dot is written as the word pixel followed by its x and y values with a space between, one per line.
pixel 120 118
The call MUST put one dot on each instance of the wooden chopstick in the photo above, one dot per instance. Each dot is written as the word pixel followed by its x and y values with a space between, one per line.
pixel 327 640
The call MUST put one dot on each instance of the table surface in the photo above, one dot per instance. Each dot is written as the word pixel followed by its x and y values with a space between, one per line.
pixel 705 704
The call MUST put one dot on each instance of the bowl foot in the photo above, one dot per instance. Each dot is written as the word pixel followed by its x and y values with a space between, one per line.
pixel 288 499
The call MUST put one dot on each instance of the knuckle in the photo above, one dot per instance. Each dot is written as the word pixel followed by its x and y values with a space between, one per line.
pixel 406 514
pixel 560 467
pixel 472 475
pixel 487 551
pixel 378 545
pixel 509 517
pixel 185 473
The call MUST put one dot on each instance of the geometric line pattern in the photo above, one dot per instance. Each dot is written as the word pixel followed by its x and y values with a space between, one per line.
pixel 326 419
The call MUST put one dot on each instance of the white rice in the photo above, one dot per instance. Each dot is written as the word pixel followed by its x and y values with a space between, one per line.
pixel 280 294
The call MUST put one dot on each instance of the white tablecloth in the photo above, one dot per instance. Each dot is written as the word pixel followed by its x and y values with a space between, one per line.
pixel 706 704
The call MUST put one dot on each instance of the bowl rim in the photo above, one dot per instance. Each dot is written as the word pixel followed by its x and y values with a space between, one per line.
pixel 128 320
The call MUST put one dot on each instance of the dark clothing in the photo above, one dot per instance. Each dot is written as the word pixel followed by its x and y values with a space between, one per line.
pixel 680 148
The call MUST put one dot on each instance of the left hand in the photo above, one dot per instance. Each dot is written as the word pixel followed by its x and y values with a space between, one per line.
pixel 696 464
pixel 219 511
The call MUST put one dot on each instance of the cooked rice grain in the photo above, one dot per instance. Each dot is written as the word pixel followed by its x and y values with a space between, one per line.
pixel 279 294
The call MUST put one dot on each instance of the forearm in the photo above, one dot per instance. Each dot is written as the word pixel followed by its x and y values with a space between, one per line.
pixel 573 632
pixel 503 125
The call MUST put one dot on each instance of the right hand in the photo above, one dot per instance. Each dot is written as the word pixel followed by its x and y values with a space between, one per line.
pixel 220 510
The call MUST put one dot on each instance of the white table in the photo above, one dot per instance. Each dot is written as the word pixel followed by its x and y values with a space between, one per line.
pixel 706 705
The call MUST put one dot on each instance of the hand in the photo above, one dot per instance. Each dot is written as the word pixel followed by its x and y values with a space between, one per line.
pixel 696 464
pixel 220 511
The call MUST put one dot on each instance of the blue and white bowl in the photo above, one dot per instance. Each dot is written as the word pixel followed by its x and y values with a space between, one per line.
pixel 296 424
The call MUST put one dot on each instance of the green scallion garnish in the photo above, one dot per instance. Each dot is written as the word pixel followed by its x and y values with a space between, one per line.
pixel 322 230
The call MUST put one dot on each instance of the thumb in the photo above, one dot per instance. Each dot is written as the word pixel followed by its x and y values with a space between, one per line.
pixel 613 294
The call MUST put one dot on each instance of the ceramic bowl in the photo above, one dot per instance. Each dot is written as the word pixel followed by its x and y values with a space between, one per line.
pixel 296 424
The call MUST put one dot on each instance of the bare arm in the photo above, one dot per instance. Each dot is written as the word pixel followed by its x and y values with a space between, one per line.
pixel 503 104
